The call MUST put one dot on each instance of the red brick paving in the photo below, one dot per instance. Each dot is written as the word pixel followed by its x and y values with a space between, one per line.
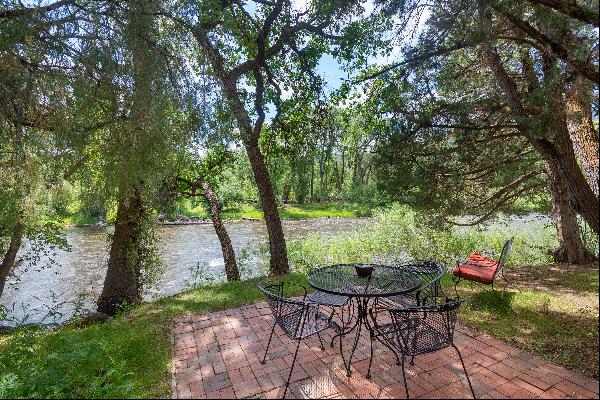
pixel 217 356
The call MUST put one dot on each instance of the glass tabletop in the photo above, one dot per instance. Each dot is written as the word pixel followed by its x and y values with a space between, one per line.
pixel 385 280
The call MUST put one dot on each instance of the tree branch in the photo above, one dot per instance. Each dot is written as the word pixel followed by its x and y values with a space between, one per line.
pixel 16 12
pixel 571 9
pixel 587 69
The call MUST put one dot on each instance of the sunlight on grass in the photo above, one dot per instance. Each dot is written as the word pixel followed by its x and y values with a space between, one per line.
pixel 544 322
pixel 128 356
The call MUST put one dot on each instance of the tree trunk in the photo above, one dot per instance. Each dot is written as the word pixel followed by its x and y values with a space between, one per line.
pixel 561 151
pixel 231 268
pixel 8 261
pixel 287 187
pixel 321 177
pixel 337 175
pixel 571 248
pixel 122 281
pixel 279 261
pixel 356 167
pixel 581 129
pixel 312 180
pixel 343 166
pixel 584 199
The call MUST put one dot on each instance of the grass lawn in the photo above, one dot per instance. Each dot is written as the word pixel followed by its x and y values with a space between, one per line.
pixel 291 211
pixel 129 356
pixel 556 314
pixel 250 211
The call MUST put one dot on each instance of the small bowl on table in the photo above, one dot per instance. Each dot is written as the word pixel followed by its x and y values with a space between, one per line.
pixel 363 270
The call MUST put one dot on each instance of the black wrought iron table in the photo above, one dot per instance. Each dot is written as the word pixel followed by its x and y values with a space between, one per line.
pixel 342 279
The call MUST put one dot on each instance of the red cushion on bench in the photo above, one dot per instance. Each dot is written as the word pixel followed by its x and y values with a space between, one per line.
pixel 477 268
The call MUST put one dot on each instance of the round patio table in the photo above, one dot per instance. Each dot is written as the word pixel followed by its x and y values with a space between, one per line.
pixel 342 280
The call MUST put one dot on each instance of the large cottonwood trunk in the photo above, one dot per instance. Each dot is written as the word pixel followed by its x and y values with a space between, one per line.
pixel 278 261
pixel 8 261
pixel 122 281
pixel 231 268
pixel 581 129
pixel 559 153
pixel 571 248
pixel 584 199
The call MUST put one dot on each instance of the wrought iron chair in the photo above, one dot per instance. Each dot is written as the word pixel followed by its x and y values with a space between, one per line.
pixel 298 319
pixel 421 329
pixel 430 273
pixel 485 271
pixel 334 302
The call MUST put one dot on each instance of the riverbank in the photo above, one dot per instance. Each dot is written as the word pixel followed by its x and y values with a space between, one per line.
pixel 245 212
pixel 130 355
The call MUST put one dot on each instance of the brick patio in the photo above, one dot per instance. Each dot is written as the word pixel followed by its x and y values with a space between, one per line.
pixel 217 356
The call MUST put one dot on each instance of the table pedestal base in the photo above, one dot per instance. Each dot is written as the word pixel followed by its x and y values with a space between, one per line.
pixel 362 306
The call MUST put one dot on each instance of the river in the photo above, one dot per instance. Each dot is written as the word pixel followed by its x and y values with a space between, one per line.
pixel 53 292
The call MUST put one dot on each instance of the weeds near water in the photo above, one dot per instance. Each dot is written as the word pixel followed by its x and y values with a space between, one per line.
pixel 199 275
pixel 52 311
pixel 399 234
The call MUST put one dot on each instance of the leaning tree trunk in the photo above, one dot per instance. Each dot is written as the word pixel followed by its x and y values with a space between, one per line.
pixel 8 261
pixel 571 248
pixel 279 261
pixel 584 199
pixel 122 281
pixel 231 268
pixel 581 129
pixel 561 151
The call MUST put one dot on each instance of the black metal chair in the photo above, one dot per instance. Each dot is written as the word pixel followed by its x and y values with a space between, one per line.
pixel 335 302
pixel 485 271
pixel 299 319
pixel 430 273
pixel 421 329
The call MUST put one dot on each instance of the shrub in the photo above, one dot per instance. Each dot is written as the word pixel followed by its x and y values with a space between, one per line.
pixel 399 233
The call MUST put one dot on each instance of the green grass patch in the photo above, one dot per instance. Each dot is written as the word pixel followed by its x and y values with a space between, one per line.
pixel 289 211
pixel 128 356
pixel 553 317
pixel 251 211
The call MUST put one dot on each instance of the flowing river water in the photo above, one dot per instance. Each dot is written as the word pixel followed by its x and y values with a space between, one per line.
pixel 52 292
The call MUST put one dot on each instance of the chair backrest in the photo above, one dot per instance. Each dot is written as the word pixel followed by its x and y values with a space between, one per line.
pixel 430 274
pixel 288 313
pixel 427 328
pixel 504 255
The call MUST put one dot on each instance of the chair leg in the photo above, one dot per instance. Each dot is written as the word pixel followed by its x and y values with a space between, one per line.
pixel 342 325
pixel 501 298
pixel 269 344
pixel 509 283
pixel 465 369
pixel 291 369
pixel 320 340
pixel 371 336
pixel 456 282
pixel 412 360
pixel 404 378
